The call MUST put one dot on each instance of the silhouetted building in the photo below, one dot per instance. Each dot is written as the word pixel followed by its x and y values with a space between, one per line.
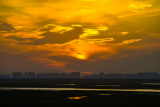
pixel 129 76
pixel 5 76
pixel 50 75
pixel 16 74
pixel 26 74
pixel 101 75
pixel 74 75
pixel 118 76
pixel 145 75
pixel 42 75
pixel 29 74
pixel 148 75
pixel 92 76
pixel 64 75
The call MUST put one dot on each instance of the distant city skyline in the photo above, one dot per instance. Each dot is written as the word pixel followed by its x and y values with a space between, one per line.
pixel 33 75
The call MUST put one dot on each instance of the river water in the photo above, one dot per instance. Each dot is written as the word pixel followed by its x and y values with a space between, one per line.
pixel 79 89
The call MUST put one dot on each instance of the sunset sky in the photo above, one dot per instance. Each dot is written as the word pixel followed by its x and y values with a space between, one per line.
pixel 87 36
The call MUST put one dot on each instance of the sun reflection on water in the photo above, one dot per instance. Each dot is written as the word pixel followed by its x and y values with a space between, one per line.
pixel 68 84
pixel 151 83
pixel 79 89
pixel 76 98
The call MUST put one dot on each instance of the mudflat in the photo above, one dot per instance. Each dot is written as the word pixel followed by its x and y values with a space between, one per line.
pixel 86 98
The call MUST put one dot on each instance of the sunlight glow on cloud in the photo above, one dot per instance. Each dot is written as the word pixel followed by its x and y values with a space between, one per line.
pixel 89 32
pixel 130 41
pixel 102 28
pixel 124 33
pixel 100 41
pixel 57 28
pixel 56 33
pixel 48 62
pixel 138 7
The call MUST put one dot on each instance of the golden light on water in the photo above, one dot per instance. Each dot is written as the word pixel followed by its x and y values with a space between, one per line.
pixel 76 98
pixel 107 85
pixel 105 94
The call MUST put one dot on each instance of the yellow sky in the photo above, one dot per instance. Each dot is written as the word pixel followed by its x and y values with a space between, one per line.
pixel 56 33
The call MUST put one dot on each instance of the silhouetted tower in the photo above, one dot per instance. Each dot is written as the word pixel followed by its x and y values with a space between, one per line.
pixel 74 75
pixel 16 74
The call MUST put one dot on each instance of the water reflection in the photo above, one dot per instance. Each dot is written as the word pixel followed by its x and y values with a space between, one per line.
pixel 155 94
pixel 108 85
pixel 68 84
pixel 143 93
pixel 76 98
pixel 147 93
pixel 80 89
pixel 104 94
pixel 151 83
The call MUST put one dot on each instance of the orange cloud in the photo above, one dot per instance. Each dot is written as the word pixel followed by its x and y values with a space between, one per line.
pixel 48 62
pixel 80 30
pixel 139 6
pixel 86 72
pixel 130 41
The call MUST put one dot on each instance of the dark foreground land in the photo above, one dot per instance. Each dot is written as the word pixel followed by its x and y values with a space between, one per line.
pixel 38 98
